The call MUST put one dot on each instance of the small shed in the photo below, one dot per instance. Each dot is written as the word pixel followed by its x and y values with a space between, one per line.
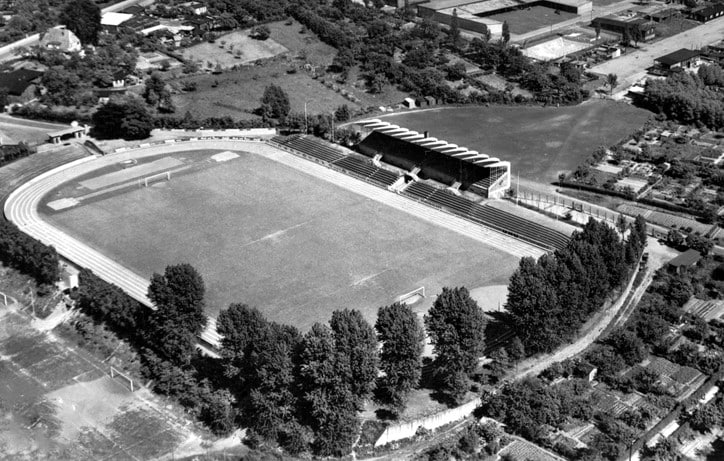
pixel 74 130
pixel 409 103
pixel 687 259
pixel 431 101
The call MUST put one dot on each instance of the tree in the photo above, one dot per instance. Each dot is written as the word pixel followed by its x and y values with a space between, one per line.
pixel 178 296
pixel 342 114
pixel 403 340
pixel 156 93
pixel 456 327
pixel 611 81
pixel 327 404
pixel 356 344
pixel 83 18
pixel 506 32
pixel 274 102
pixel 127 119
pixel 454 28
pixel 260 32
pixel 705 419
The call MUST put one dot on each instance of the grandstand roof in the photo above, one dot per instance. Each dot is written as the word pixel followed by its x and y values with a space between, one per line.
pixel 430 143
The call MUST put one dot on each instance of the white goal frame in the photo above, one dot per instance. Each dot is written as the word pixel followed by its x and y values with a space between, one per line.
pixel 116 372
pixel 412 294
pixel 166 174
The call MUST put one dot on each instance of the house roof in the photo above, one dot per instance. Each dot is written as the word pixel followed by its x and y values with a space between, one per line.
pixel 17 81
pixel 114 19
pixel 685 259
pixel 62 38
pixel 677 56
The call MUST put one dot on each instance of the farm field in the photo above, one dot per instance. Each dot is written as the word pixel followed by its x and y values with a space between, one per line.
pixel 237 93
pixel 57 403
pixel 539 142
pixel 294 246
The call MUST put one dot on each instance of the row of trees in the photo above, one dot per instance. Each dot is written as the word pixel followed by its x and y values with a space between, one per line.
pixel 28 255
pixel 549 299
pixel 301 391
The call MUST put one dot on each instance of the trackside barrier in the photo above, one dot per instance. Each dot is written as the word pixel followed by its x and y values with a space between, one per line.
pixel 408 430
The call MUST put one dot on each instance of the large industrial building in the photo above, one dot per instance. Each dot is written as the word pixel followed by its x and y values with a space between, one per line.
pixel 431 158
pixel 474 15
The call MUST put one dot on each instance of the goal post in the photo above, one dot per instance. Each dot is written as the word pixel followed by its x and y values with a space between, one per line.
pixel 157 177
pixel 412 297
pixel 115 372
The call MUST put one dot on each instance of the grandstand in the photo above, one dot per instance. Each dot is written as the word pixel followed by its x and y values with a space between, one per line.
pixel 435 159
pixel 488 216
pixel 363 168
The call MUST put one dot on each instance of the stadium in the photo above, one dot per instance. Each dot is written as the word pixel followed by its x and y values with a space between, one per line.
pixel 290 224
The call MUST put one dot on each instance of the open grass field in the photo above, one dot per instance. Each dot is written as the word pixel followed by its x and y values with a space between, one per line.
pixel 56 403
pixel 292 245
pixel 531 18
pixel 539 142
pixel 233 49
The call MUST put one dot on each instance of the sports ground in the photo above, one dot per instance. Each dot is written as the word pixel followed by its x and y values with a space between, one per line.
pixel 539 142
pixel 273 237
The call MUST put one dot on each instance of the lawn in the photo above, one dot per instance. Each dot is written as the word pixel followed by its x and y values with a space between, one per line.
pixel 539 142
pixel 531 18
pixel 294 246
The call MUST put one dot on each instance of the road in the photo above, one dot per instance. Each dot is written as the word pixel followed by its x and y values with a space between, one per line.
pixel 632 66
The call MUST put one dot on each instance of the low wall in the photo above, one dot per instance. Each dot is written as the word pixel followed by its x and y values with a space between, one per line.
pixel 408 430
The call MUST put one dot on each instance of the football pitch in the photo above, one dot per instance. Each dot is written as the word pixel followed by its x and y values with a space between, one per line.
pixel 540 142
pixel 270 236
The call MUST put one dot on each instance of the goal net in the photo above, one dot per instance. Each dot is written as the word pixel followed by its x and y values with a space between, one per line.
pixel 412 297
pixel 166 176
pixel 115 373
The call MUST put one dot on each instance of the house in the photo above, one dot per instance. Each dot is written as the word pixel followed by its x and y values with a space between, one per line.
pixel 681 58
pixel 626 24
pixel 20 83
pixel 706 13
pixel 197 8
pixel 111 20
pixel 687 259
pixel 61 39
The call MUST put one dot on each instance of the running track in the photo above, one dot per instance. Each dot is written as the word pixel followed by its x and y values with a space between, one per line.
pixel 21 208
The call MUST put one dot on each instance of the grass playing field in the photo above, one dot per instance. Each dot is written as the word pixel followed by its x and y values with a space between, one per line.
pixel 294 246
pixel 539 142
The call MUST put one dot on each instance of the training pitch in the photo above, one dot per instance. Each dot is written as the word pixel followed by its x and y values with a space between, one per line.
pixel 539 142
pixel 270 236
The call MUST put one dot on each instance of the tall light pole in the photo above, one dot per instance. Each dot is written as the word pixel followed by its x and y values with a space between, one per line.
pixel 306 123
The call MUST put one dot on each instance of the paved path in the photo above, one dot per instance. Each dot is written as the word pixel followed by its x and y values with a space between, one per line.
pixel 632 66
